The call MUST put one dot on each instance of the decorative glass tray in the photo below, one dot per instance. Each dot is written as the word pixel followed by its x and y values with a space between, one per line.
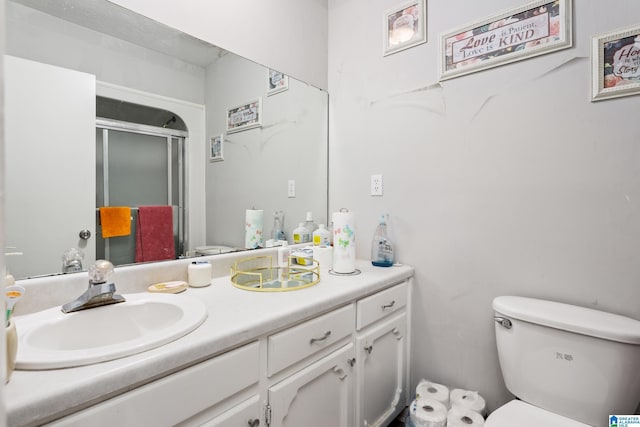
pixel 258 274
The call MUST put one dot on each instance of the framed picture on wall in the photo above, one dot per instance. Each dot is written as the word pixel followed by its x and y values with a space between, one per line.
pixel 615 64
pixel 216 148
pixel 404 26
pixel 245 116
pixel 534 29
pixel 278 82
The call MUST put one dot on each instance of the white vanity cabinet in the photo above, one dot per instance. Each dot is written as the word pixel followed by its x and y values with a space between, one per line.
pixel 381 357
pixel 310 366
pixel 342 368
pixel 319 395
pixel 189 397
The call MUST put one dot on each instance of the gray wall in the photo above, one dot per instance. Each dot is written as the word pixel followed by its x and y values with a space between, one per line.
pixel 291 144
pixel 506 181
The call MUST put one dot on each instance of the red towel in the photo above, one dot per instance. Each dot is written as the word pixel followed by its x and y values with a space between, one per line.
pixel 154 233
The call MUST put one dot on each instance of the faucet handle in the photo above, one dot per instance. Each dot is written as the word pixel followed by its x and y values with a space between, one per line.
pixel 100 272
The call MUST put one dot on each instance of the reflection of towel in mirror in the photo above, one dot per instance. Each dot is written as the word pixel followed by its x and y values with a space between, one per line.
pixel 154 233
pixel 115 221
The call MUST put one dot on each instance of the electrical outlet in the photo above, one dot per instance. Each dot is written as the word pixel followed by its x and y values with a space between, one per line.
pixel 376 185
pixel 291 188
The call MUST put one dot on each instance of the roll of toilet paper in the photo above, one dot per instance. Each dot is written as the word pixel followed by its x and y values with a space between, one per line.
pixel 434 391
pixel 344 242
pixel 466 399
pixel 254 224
pixel 427 412
pixel 199 274
pixel 458 417
pixel 324 256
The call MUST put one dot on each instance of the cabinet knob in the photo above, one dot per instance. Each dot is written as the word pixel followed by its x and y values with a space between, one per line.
pixel 351 361
pixel 341 374
pixel 254 422
pixel 369 349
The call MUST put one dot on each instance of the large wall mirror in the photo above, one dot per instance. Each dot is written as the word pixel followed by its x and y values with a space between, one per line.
pixel 105 107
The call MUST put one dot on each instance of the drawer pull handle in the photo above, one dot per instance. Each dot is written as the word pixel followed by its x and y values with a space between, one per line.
pixel 395 331
pixel 388 306
pixel 369 349
pixel 254 422
pixel 324 337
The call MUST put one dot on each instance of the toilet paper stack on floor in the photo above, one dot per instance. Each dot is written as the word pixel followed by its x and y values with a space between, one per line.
pixel 463 408
pixel 467 408
pixel 427 412
pixel 434 391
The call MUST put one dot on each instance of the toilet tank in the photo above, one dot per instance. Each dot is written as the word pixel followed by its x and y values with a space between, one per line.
pixel 573 361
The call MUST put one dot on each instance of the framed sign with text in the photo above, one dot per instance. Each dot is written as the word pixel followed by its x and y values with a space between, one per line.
pixel 278 82
pixel 530 30
pixel 615 64
pixel 245 116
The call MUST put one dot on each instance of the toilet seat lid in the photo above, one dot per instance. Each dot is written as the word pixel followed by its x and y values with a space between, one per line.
pixel 521 414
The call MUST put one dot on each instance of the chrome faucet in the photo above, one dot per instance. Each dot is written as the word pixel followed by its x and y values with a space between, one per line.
pixel 99 292
pixel 72 260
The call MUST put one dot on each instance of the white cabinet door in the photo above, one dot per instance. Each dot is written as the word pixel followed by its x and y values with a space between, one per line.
pixel 319 395
pixel 381 372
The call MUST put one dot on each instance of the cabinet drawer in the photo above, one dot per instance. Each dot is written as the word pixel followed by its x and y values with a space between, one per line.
pixel 177 397
pixel 296 343
pixel 382 304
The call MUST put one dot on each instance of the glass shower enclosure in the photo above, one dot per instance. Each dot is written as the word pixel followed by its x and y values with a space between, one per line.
pixel 138 165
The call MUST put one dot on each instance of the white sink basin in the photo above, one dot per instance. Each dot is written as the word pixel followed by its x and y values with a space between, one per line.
pixel 51 339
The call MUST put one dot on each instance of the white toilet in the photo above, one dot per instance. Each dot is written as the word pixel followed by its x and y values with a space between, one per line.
pixel 568 366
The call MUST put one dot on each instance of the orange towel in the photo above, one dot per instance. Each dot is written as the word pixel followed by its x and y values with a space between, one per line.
pixel 115 221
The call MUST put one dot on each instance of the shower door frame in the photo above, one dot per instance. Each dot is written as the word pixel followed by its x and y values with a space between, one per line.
pixel 109 124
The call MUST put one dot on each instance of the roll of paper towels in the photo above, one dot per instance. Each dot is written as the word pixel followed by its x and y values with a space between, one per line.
pixel 344 242
pixel 434 391
pixel 324 256
pixel 427 412
pixel 459 417
pixel 254 224
pixel 466 399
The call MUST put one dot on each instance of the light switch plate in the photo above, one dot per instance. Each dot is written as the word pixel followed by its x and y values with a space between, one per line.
pixel 291 188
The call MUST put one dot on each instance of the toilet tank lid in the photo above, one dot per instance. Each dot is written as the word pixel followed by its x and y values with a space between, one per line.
pixel 570 318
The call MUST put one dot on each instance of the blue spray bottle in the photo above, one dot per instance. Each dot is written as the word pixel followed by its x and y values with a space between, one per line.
pixel 381 247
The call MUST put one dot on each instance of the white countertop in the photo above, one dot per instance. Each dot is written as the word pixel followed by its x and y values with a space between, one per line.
pixel 235 317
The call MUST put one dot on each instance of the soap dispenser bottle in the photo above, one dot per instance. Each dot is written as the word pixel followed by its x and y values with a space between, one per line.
pixel 309 224
pixel 381 247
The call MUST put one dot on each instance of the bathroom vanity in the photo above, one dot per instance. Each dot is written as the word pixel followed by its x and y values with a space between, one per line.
pixel 333 354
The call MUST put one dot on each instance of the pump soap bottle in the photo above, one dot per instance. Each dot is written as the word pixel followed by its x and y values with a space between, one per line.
pixel 381 247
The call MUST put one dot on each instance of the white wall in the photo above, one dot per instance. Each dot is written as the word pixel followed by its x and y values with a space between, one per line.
pixel 3 353
pixel 507 181
pixel 41 37
pixel 287 35
pixel 291 144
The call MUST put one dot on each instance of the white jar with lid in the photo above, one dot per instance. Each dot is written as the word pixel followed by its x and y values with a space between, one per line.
pixel 199 274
